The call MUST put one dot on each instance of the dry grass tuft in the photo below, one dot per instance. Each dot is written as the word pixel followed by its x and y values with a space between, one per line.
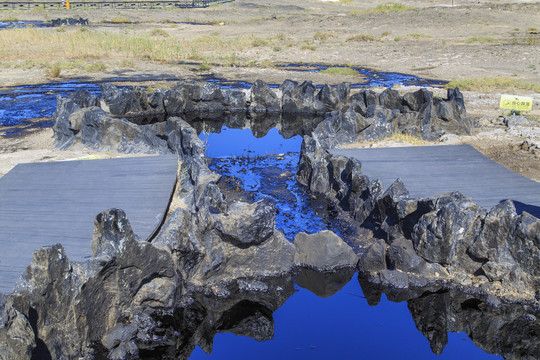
pixel 381 9
pixel 363 37
pixel 491 84
pixel 408 138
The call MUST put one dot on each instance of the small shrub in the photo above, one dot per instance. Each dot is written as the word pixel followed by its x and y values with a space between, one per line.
pixel 381 9
pixel 159 32
pixel 480 39
pixel 339 71
pixel 309 47
pixel 96 67
pixel 391 7
pixel 53 71
pixel 418 35
pixel 281 37
pixel 119 20
pixel 204 65
pixel 530 40
pixel 258 42
pixel 126 64
pixel 345 2
pixel 322 36
pixel 414 140
pixel 386 33
pixel 363 38
pixel 266 63
pixel 532 29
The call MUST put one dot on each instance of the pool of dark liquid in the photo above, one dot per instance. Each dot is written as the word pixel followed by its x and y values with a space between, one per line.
pixel 25 108
pixel 17 24
pixel 342 326
pixel 314 324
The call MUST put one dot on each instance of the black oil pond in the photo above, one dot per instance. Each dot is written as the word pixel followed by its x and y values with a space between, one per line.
pixel 265 167
pixel 25 108
pixel 18 24
pixel 328 316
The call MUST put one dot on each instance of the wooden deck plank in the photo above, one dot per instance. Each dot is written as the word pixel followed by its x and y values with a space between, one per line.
pixel 431 170
pixel 56 202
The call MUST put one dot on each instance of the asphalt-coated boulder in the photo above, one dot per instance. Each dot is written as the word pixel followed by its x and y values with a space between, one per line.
pixel 247 224
pixel 391 99
pixel 263 99
pixel 415 100
pixel 374 257
pixel 444 236
pixel 493 244
pixel 17 338
pixel 111 229
pixel 334 98
pixel 323 251
pixel 120 101
pixel 386 208
pixel 381 123
pixel 301 99
pixel 401 256
pixel 234 99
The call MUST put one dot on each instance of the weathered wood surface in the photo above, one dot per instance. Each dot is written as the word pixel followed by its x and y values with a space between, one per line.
pixel 431 170
pixel 56 202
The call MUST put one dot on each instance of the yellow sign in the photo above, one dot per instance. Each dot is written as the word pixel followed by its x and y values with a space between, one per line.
pixel 518 103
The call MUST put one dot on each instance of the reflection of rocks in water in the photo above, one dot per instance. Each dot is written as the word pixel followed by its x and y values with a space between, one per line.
pixel 289 125
pixel 324 283
pixel 508 330
pixel 248 312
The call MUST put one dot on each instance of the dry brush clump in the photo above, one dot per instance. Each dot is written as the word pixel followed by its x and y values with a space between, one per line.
pixel 381 9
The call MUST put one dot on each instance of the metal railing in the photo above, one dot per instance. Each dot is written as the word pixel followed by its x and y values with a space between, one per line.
pixel 26 5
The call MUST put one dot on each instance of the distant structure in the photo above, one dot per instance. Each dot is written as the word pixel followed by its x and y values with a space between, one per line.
pixel 27 5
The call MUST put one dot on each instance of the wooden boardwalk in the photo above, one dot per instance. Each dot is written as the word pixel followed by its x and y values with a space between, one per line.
pixel 56 202
pixel 431 170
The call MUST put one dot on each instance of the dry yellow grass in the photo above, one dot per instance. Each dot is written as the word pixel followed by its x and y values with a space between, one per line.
pixel 408 138
pixel 491 84
pixel 32 44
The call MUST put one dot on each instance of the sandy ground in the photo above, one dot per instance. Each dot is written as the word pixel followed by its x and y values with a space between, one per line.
pixel 433 40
